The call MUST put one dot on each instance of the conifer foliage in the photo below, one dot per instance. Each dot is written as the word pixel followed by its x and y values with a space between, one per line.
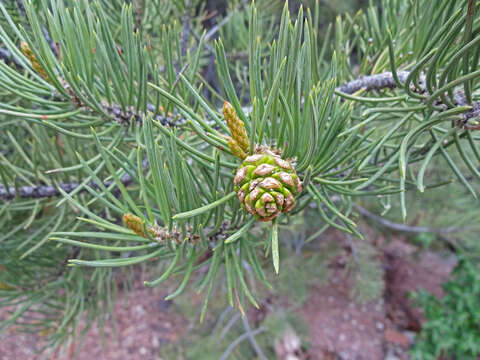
pixel 120 145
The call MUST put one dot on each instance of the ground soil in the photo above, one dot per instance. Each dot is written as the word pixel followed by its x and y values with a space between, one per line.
pixel 340 329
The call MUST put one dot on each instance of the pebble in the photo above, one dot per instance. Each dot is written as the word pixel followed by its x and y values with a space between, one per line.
pixel 398 350
pixel 391 356
pixel 139 310
pixel 379 325
pixel 410 336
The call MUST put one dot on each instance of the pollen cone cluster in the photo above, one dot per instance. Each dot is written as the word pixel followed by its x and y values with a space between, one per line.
pixel 267 185
pixel 27 51
pixel 238 143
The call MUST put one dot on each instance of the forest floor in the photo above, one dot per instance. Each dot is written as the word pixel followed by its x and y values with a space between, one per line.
pixel 339 328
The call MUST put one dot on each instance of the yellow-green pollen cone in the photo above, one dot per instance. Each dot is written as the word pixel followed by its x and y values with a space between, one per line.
pixel 267 185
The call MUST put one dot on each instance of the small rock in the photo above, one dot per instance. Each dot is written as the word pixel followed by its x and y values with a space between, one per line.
pixel 342 337
pixel 143 350
pixel 398 350
pixel 139 309
pixel 379 325
pixel 391 356
pixel 288 347
pixel 410 336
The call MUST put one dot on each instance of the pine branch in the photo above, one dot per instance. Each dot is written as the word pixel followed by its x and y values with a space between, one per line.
pixel 241 338
pixel 403 227
pixel 371 82
pixel 46 191
pixel 252 340
pixel 452 244
pixel 386 80
pixel 126 117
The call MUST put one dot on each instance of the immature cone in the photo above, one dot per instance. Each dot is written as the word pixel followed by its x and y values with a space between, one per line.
pixel 267 185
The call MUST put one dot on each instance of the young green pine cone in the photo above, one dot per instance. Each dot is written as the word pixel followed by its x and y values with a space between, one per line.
pixel 267 185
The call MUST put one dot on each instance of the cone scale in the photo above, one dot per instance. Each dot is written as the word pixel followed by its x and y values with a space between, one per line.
pixel 266 185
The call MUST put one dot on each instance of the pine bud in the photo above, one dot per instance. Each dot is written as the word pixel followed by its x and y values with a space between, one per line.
pixel 160 234
pixel 237 127
pixel 33 60
pixel 136 224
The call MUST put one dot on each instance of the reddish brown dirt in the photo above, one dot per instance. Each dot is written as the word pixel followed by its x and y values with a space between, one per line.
pixel 408 271
pixel 15 345
pixel 340 329
pixel 144 323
